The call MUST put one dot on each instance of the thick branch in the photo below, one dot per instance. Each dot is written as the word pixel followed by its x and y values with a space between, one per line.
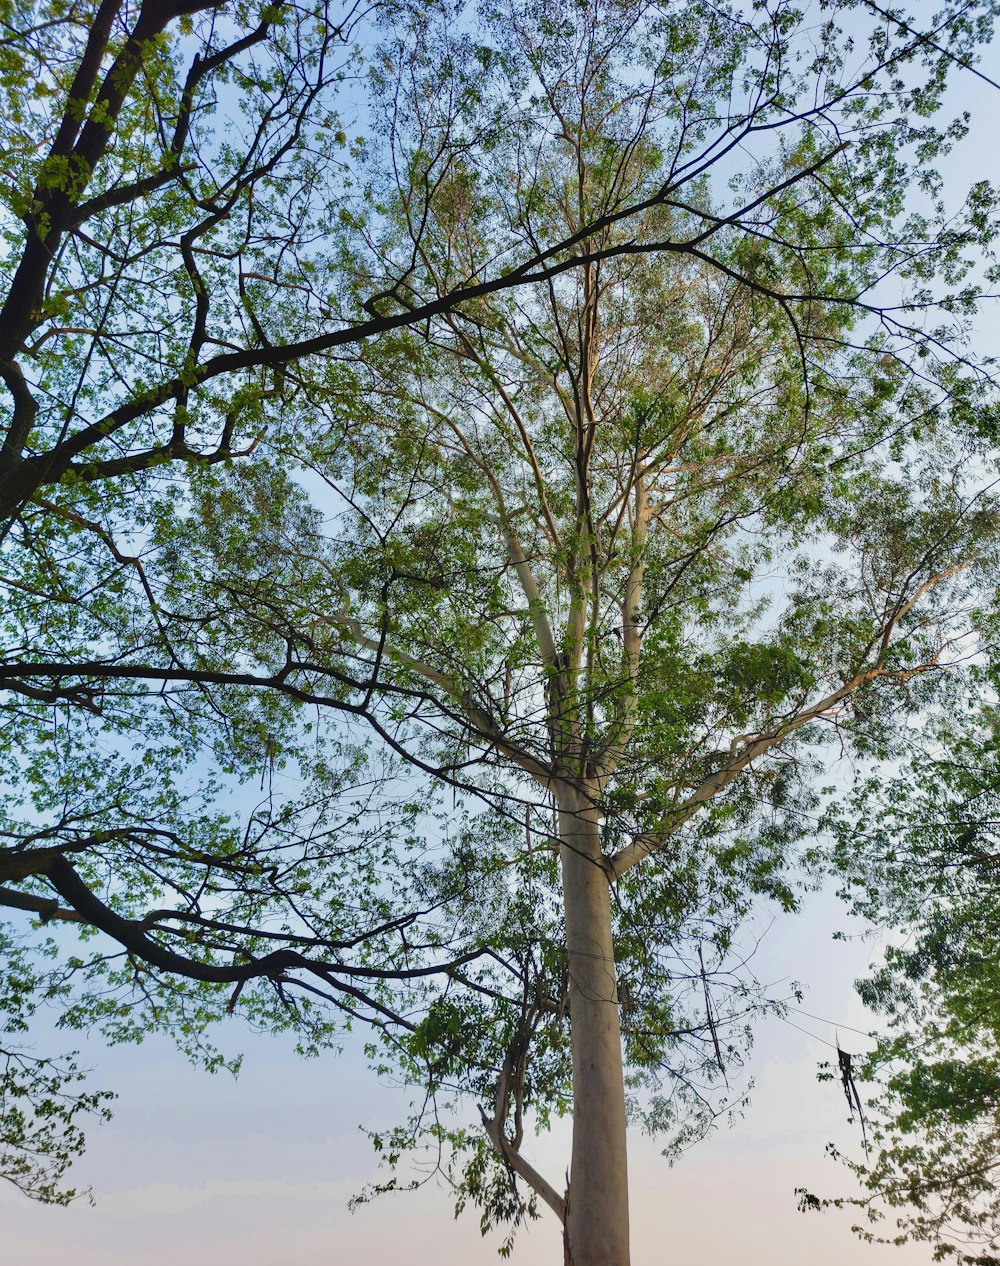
pixel 524 1169
pixel 47 907
pixel 742 753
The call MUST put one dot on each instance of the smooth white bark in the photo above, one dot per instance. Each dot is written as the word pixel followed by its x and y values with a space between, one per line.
pixel 597 1219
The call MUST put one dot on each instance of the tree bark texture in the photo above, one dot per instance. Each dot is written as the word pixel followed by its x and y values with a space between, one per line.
pixel 597 1224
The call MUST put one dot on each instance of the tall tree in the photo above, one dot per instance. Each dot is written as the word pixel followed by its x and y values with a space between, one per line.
pixel 604 332
pixel 559 546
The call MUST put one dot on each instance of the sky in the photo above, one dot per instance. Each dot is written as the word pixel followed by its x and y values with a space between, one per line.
pixel 258 1171
pixel 199 1170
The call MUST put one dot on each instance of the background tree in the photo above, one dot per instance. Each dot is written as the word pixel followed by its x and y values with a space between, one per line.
pixel 916 852
pixel 161 596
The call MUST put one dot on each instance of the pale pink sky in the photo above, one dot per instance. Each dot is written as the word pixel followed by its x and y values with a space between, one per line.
pixel 205 1171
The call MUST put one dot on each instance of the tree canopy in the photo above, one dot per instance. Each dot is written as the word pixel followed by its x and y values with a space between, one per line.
pixel 462 470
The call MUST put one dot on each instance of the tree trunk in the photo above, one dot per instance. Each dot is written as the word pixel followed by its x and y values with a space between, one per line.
pixel 597 1211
